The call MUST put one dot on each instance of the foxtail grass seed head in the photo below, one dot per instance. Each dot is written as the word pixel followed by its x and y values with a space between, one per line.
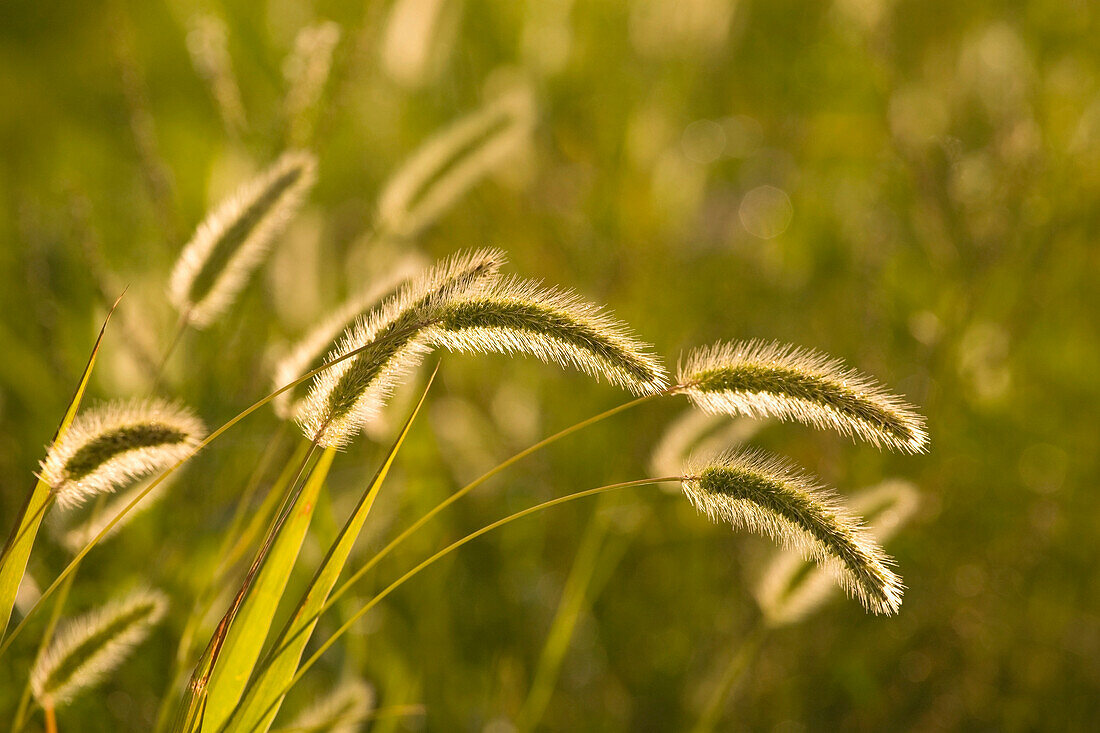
pixel 514 316
pixel 309 352
pixel 453 161
pixel 342 711
pixel 306 70
pixel 109 446
pixel 762 494
pixel 395 337
pixel 233 240
pixel 90 647
pixel 759 379
pixel 790 589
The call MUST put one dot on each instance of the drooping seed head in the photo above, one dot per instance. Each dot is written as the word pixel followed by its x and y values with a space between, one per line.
pixel 341 711
pixel 309 352
pixel 760 379
pixel 452 161
pixel 111 445
pixel 235 238
pixel 90 647
pixel 763 494
pixel 394 339
pixel 790 589
pixel 514 316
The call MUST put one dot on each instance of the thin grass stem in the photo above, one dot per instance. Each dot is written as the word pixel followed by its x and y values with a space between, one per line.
pixel 424 564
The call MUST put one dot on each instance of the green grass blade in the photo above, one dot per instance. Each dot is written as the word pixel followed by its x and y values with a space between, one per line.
pixel 246 634
pixel 264 694
pixel 17 551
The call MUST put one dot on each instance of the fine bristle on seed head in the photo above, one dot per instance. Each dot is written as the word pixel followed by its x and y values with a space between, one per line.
pixel 91 646
pixel 234 238
pixel 763 494
pixel 309 352
pixel 111 445
pixel 789 591
pixel 516 316
pixel 759 379
pixel 394 339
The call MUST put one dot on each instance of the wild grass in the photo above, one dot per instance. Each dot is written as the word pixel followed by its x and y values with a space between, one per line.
pixel 234 675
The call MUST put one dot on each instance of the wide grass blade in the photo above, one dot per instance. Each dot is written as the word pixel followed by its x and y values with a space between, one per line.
pixel 17 550
pixel 248 628
pixel 263 697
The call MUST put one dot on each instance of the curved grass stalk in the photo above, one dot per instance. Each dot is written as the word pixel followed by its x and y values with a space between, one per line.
pixel 431 513
pixel 424 564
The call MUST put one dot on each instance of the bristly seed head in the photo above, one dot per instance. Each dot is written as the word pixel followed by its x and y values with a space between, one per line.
pixel 395 338
pixel 760 379
pixel 91 646
pixel 233 240
pixel 309 352
pixel 789 589
pixel 114 444
pixel 515 316
pixel 763 494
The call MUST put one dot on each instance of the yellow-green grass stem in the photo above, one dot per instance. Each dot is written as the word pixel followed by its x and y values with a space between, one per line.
pixel 424 564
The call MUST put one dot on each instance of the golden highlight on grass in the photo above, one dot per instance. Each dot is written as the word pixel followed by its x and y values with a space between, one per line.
pixel 308 353
pixel 90 647
pixel 763 494
pixel 341 711
pixel 393 342
pixel 233 239
pixel 515 316
pixel 452 161
pixel 790 589
pixel 109 446
pixel 760 379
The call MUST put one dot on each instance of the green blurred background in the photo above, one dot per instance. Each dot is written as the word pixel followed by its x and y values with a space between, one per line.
pixel 911 186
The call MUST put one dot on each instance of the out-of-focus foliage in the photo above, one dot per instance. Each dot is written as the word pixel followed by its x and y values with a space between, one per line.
pixel 911 186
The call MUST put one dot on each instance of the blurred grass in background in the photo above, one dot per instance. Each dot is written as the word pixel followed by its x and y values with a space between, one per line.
pixel 912 186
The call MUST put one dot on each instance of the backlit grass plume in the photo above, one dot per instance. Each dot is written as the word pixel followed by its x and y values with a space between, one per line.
pixel 789 589
pixel 109 446
pixel 396 338
pixel 343 711
pixel 452 161
pixel 309 352
pixel 759 379
pixel 233 240
pixel 515 316
pixel 763 494
pixel 90 647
